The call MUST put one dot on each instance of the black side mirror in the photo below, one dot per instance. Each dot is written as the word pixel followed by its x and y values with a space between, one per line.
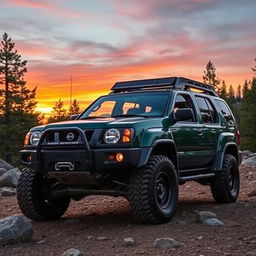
pixel 73 117
pixel 184 114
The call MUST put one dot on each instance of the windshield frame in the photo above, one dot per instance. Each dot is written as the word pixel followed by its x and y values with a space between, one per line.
pixel 165 112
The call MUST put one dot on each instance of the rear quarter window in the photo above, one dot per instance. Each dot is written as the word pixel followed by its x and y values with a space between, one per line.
pixel 226 112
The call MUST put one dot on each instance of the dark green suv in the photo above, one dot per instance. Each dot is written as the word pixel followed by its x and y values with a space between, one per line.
pixel 139 142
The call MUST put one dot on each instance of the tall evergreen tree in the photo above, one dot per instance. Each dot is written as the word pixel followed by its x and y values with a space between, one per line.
pixel 238 94
pixel 248 118
pixel 223 91
pixel 59 113
pixel 231 93
pixel 254 68
pixel 17 102
pixel 245 86
pixel 210 76
pixel 74 108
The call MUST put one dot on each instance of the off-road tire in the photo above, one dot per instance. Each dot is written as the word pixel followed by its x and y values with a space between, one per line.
pixel 226 183
pixel 32 200
pixel 153 191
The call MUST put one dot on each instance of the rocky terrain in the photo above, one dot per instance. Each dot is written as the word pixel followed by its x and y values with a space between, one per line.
pixel 101 225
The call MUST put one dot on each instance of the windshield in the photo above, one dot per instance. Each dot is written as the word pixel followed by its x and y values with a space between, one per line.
pixel 125 105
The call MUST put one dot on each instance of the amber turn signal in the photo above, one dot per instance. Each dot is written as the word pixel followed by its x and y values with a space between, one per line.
pixel 127 135
pixel 26 140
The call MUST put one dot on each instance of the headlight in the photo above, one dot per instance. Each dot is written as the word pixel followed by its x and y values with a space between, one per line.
pixel 34 138
pixel 111 136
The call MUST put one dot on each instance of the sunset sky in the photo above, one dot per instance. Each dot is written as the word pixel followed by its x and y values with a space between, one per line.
pixel 102 41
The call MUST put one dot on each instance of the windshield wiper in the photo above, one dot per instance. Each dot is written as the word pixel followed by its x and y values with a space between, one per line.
pixel 91 117
pixel 130 115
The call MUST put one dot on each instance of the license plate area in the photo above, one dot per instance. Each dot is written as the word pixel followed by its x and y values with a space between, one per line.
pixel 65 161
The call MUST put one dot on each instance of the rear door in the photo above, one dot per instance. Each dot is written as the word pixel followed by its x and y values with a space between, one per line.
pixel 211 128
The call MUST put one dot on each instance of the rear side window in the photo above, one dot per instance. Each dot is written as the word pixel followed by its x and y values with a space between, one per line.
pixel 225 111
pixel 207 111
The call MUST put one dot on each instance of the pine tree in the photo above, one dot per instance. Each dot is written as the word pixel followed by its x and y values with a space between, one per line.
pixel 254 68
pixel 74 108
pixel 210 76
pixel 17 102
pixel 231 94
pixel 245 86
pixel 223 91
pixel 248 118
pixel 239 95
pixel 59 113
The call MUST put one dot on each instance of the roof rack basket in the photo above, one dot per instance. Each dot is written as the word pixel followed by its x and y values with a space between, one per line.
pixel 163 83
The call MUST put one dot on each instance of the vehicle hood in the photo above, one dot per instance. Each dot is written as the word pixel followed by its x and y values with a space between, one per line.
pixel 103 123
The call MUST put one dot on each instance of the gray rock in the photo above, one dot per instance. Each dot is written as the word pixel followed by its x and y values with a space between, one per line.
pixel 7 191
pixel 15 229
pixel 166 243
pixel 102 238
pixel 5 165
pixel 10 178
pixel 246 153
pixel 214 222
pixel 73 252
pixel 129 241
pixel 251 161
pixel 204 215
pixel 2 171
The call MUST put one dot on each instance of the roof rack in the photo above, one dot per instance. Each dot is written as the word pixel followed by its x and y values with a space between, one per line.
pixel 163 83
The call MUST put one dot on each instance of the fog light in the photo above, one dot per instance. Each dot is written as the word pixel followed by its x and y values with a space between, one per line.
pixel 119 157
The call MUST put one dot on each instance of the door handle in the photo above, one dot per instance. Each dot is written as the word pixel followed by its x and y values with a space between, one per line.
pixel 200 131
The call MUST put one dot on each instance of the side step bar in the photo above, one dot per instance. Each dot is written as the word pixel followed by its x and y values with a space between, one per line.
pixel 182 180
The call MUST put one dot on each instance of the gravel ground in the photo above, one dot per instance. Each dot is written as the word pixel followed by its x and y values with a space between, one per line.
pixel 98 225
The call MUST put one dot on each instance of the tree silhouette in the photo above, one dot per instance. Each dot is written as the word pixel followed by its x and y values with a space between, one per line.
pixel 17 102
pixel 59 113
pixel 210 76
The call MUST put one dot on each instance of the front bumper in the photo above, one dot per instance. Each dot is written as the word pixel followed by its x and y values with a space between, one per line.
pixel 93 161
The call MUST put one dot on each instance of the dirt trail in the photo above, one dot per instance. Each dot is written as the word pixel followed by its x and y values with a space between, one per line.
pixel 101 216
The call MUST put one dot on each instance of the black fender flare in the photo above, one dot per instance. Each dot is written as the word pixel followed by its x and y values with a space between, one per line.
pixel 172 154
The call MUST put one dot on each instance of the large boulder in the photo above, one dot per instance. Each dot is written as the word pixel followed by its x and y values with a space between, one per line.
pixel 10 178
pixel 2 171
pixel 15 229
pixel 251 161
pixel 5 165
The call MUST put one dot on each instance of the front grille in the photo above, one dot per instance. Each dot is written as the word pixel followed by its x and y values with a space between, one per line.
pixel 67 137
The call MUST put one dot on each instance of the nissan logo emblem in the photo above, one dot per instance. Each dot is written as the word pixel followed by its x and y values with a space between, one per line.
pixel 70 136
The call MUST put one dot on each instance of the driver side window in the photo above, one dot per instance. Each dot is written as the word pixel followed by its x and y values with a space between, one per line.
pixel 184 102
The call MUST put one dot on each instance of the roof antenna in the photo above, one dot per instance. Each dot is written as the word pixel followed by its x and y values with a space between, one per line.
pixel 70 92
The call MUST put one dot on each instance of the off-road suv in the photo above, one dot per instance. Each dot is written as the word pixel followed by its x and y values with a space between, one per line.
pixel 139 142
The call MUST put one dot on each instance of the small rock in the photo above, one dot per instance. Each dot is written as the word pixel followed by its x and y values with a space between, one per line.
pixel 5 165
pixel 7 191
pixel 10 178
pixel 213 222
pixel 15 229
pixel 200 237
pixel 246 153
pixel 252 193
pixel 73 252
pixel 166 243
pixel 204 215
pixel 181 222
pixel 89 237
pixel 102 238
pixel 2 171
pixel 129 241
pixel 41 242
